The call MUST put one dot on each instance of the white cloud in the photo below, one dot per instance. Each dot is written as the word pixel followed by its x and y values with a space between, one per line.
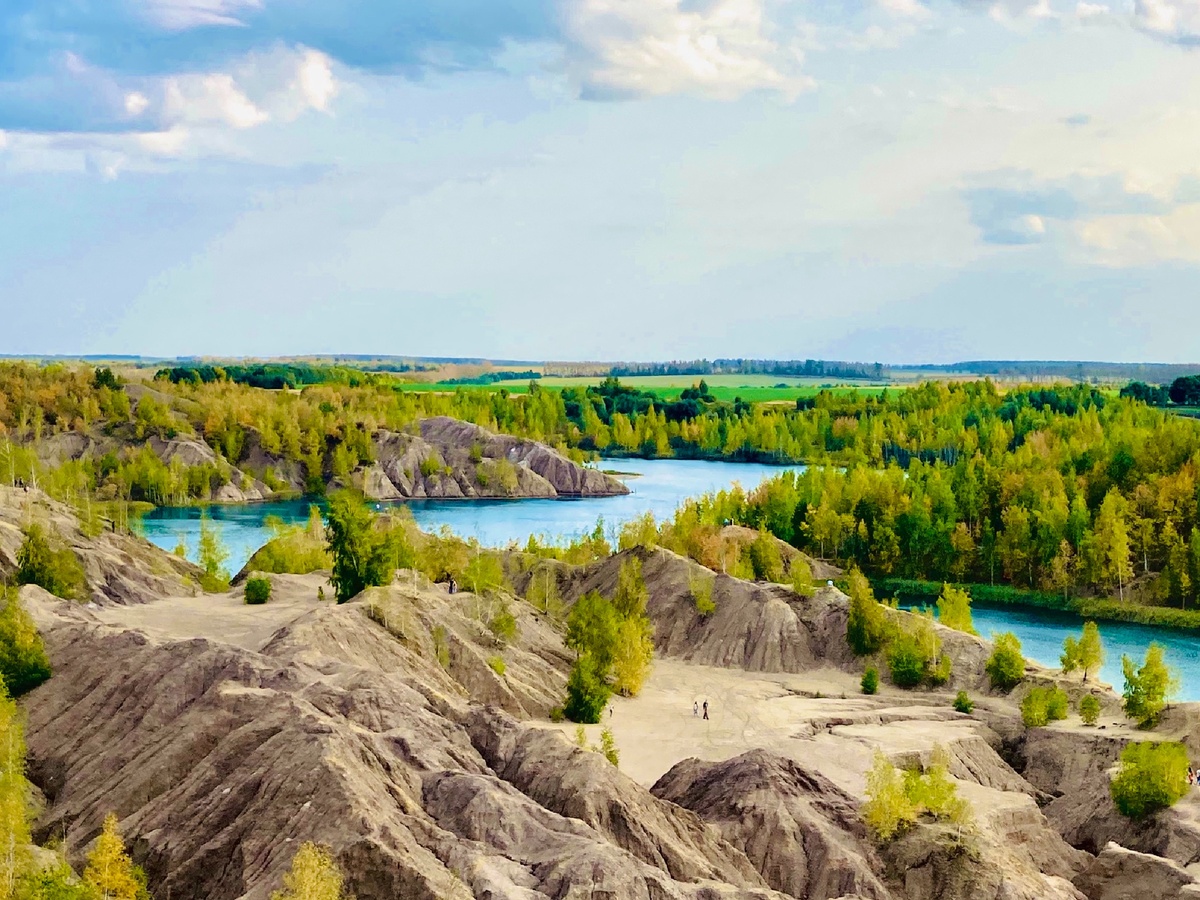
pixel 1090 12
pixel 209 98
pixel 164 143
pixel 656 47
pixel 180 15
pixel 136 103
pixel 908 9
pixel 1137 240
pixel 314 78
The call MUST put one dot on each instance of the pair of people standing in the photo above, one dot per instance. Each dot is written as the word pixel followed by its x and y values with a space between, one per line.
pixel 696 708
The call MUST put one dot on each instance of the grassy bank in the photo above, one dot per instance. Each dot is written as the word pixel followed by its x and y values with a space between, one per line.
pixel 914 591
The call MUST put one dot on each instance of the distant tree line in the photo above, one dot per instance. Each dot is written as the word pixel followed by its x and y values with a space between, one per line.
pixel 809 368
pixel 495 377
pixel 1184 391
pixel 270 376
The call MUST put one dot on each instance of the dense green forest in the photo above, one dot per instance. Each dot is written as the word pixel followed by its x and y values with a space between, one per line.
pixel 1061 491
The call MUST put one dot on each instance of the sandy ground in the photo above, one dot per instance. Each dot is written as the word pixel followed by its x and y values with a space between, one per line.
pixel 224 617
pixel 818 718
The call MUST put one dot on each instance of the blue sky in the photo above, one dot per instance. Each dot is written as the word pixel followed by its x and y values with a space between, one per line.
pixel 892 180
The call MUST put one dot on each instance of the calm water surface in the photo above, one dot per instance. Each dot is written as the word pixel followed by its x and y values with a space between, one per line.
pixel 660 487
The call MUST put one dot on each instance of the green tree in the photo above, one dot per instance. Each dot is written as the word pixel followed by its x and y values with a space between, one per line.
pixel 870 681
pixel 1152 776
pixel 802 578
pixel 963 703
pixel 1006 666
pixel 866 623
pixel 1089 709
pixel 1148 687
pixel 592 630
pixel 954 609
pixel 632 595
pixel 588 692
pixel 1043 705
pixel 54 569
pixel 360 555
pixel 212 557
pixel 1085 654
pixel 608 746
pixel 23 660
pixel 765 558
pixel 314 876
pixel 701 589
pixel 485 572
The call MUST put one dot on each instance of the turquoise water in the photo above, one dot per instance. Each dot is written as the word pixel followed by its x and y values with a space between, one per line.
pixel 1041 633
pixel 661 486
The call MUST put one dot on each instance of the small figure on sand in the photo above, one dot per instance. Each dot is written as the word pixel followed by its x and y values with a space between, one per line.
pixel 1191 776
pixel 695 707
pixel 706 709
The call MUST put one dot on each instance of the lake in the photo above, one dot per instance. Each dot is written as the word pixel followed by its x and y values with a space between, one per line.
pixel 659 487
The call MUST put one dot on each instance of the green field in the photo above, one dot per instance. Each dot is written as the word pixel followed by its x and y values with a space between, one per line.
pixel 752 388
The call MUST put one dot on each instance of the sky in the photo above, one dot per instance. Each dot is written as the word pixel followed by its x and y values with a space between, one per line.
pixel 902 181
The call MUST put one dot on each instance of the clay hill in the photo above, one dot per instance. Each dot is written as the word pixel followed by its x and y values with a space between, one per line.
pixel 398 731
pixel 439 457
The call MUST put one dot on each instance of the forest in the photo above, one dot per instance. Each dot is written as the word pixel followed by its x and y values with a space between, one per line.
pixel 1066 490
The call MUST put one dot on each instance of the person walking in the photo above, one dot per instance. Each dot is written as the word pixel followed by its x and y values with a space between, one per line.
pixel 696 708
pixel 706 709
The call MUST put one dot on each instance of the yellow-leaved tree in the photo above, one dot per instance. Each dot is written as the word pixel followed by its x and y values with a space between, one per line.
pixel 14 824
pixel 109 870
pixel 314 876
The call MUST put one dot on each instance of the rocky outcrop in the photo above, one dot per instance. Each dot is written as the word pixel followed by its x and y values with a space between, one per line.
pixel 449 459
pixel 220 759
pixel 757 627
pixel 118 567
pixel 1121 874
pixel 801 832
pixel 582 785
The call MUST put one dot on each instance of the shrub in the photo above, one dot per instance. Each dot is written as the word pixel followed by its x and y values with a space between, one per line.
pixel 1085 653
pixel 963 703
pixel 888 809
pixel 1152 776
pixel 587 691
pixel 53 568
pixel 1089 710
pixel 866 622
pixel 802 580
pixel 765 558
pixel 258 590
pixel 608 746
pixel 497 665
pixel 361 556
pixel 1148 687
pixel 954 609
pixel 432 465
pixel 632 655
pixel 23 660
pixel 212 555
pixel 581 740
pixel 503 624
pixel 1006 666
pixel 906 661
pixel 870 681
pixel 485 572
pixel 441 646
pixel 701 587
pixel 1043 705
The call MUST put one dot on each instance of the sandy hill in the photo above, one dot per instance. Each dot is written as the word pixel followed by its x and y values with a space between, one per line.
pixel 224 735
